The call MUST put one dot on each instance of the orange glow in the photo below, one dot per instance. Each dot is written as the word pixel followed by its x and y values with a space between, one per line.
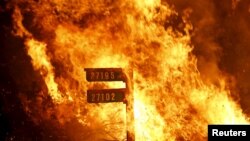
pixel 41 62
pixel 171 102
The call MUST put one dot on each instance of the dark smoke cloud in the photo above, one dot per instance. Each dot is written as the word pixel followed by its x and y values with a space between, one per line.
pixel 221 41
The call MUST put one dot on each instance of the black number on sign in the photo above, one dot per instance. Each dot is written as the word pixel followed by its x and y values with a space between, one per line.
pixel 102 95
pixel 101 75
pixel 112 96
pixel 107 97
pixel 106 75
pixel 112 75
pixel 98 97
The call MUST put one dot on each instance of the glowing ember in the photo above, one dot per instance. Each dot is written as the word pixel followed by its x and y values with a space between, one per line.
pixel 171 102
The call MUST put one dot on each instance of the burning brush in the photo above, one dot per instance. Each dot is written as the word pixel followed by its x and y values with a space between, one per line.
pixel 171 101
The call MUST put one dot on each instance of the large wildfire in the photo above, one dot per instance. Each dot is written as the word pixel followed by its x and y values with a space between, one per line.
pixel 172 100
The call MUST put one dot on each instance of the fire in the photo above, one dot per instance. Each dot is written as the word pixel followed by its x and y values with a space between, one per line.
pixel 41 62
pixel 171 101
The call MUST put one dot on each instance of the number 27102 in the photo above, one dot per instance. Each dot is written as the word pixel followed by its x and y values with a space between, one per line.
pixel 102 97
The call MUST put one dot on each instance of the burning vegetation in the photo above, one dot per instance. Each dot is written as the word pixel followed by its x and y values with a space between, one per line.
pixel 173 101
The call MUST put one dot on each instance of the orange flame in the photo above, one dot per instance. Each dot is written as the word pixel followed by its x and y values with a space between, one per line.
pixel 41 62
pixel 171 102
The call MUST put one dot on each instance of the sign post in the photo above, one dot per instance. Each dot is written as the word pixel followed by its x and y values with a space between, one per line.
pixel 113 95
pixel 130 107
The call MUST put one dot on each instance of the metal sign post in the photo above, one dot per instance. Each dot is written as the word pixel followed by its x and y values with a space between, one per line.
pixel 113 95
pixel 130 107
